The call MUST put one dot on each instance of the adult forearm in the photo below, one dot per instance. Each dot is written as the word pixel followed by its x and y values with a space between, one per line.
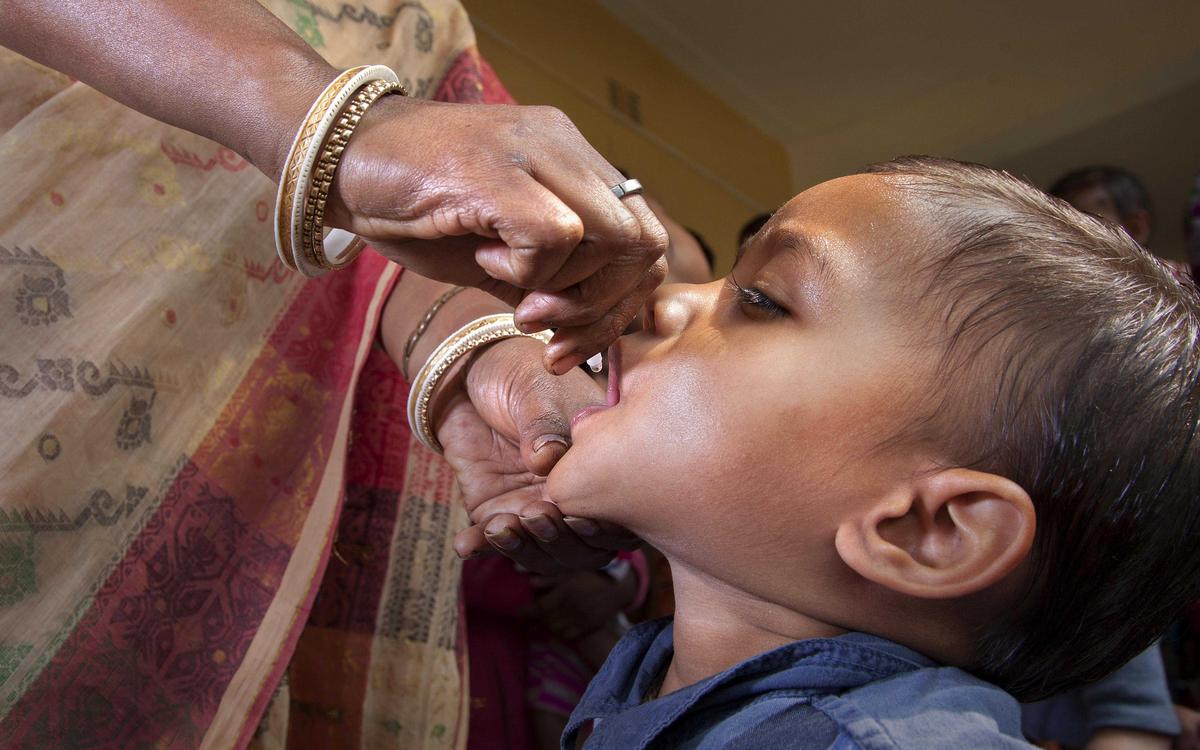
pixel 410 301
pixel 225 69
pixel 1128 739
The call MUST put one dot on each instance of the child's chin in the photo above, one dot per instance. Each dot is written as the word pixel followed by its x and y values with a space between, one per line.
pixel 572 492
pixel 562 483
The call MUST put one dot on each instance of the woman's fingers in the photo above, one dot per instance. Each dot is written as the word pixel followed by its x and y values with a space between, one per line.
pixel 615 231
pixel 602 534
pixel 516 396
pixel 538 538
pixel 598 289
pixel 537 229
pixel 544 522
pixel 454 263
pixel 543 417
pixel 471 542
pixel 574 341
pixel 622 240
pixel 416 173
pixel 506 536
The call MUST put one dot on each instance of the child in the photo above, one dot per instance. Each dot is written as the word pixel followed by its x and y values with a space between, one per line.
pixel 934 433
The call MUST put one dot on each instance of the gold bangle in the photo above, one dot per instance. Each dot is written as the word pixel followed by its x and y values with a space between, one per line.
pixel 290 176
pixel 311 238
pixel 465 340
pixel 295 183
pixel 419 331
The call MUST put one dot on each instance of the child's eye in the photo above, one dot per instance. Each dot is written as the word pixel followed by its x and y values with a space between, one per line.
pixel 757 299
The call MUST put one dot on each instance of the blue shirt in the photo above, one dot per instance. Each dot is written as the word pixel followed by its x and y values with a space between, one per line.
pixel 854 692
pixel 1133 697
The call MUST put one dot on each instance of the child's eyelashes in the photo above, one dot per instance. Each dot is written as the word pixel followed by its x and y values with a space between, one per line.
pixel 756 299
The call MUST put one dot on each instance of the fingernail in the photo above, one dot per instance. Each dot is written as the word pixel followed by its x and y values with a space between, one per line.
pixel 582 526
pixel 541 527
pixel 504 539
pixel 545 440
pixel 566 364
pixel 528 326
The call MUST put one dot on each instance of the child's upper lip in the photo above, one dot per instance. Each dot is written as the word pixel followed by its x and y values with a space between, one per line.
pixel 613 392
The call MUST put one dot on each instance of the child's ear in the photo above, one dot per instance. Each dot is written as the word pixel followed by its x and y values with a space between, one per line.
pixel 948 534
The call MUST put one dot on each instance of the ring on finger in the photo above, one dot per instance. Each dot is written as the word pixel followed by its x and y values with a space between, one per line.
pixel 628 187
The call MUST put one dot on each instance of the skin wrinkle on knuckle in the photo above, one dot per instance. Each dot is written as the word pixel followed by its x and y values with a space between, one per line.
pixel 626 231
pixel 555 117
pixel 657 239
pixel 587 310
pixel 658 271
pixel 616 324
pixel 538 401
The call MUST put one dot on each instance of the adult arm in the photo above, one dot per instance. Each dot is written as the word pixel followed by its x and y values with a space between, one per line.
pixel 504 422
pixel 228 70
pixel 1128 739
pixel 523 198
pixel 1189 729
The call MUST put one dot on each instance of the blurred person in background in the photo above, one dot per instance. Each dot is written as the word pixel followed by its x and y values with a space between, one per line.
pixel 751 227
pixel 1109 193
pixel 1191 230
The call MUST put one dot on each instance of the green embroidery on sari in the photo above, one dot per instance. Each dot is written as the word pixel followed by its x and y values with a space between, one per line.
pixel 306 25
pixel 10 657
pixel 17 574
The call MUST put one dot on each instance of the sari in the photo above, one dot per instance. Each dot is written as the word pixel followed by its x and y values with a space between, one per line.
pixel 216 529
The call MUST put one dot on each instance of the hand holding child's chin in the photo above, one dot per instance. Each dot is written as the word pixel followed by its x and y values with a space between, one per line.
pixel 503 431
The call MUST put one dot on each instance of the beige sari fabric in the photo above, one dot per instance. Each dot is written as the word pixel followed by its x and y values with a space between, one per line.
pixel 184 437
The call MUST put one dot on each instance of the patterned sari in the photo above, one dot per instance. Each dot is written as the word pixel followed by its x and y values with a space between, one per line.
pixel 215 528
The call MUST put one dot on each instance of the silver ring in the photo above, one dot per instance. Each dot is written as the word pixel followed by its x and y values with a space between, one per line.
pixel 628 187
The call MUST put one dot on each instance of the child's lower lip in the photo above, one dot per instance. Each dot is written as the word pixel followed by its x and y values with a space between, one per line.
pixel 586 412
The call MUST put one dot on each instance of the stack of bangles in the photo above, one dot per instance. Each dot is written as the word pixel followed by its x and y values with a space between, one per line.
pixel 477 333
pixel 308 172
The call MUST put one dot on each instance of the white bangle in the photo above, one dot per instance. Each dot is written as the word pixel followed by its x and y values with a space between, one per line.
pixel 473 335
pixel 296 181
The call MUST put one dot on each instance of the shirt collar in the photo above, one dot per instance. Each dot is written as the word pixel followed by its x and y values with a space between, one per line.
pixel 634 668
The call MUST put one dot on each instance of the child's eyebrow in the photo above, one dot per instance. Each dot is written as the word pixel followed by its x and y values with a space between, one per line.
pixel 800 247
pixel 796 244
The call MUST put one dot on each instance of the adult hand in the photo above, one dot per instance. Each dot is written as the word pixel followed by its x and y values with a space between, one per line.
pixel 525 196
pixel 576 603
pixel 1189 725
pixel 502 431
pixel 508 199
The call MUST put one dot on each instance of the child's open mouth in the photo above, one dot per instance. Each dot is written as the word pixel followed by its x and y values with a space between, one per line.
pixel 614 386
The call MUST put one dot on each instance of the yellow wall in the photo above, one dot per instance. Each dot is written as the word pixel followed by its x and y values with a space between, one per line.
pixel 709 168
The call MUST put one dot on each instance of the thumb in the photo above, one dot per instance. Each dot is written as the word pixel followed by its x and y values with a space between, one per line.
pixel 542 415
pixel 545 434
pixel 515 395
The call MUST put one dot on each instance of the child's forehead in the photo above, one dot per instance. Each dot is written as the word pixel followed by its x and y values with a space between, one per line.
pixel 856 195
pixel 865 214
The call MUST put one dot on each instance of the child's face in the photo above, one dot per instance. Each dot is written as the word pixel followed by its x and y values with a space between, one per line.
pixel 744 434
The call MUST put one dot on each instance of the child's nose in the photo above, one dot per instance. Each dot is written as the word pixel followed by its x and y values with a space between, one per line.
pixel 672 307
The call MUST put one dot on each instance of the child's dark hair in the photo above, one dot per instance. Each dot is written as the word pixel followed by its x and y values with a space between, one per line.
pixel 1071 367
